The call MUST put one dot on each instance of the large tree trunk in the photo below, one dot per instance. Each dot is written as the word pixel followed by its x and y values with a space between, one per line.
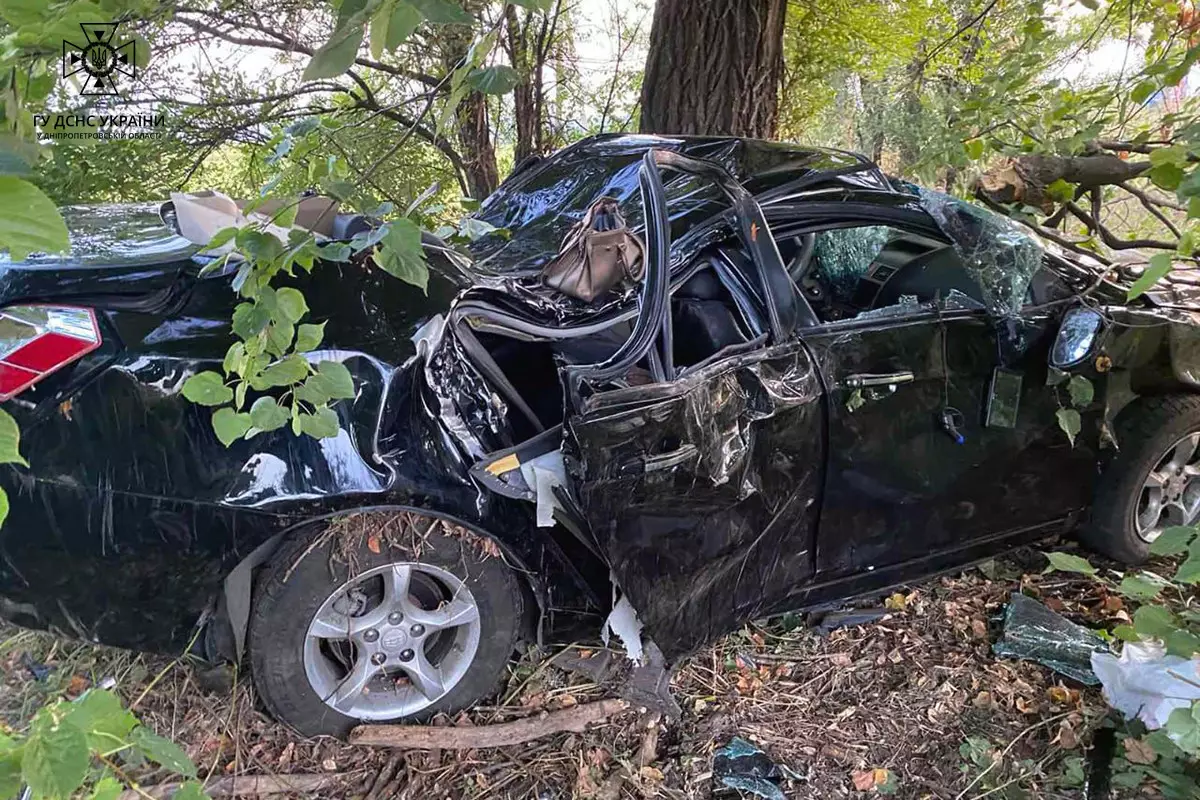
pixel 474 129
pixel 714 67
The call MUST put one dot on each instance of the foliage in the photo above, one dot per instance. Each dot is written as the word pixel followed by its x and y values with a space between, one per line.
pixel 270 377
pixel 1162 613
pixel 87 743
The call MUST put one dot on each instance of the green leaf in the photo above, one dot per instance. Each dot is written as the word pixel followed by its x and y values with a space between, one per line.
pixel 1142 92
pixel 336 55
pixel 323 424
pixel 1061 190
pixel 309 337
pixel 190 791
pixel 1080 390
pixel 10 771
pixel 1154 622
pixel 1189 570
pixel 279 337
pixel 1172 540
pixel 442 12
pixel 284 372
pixel 400 254
pixel 378 30
pixel 249 319
pixel 314 391
pixel 229 425
pixel 1184 727
pixel 404 20
pixel 973 148
pixel 1176 154
pixel 1160 265
pixel 291 304
pixel 207 389
pixel 267 415
pixel 534 5
pixel 1065 562
pixel 3 505
pixel 499 79
pixel 102 718
pixel 337 379
pixel 55 759
pixel 1142 586
pixel 1166 176
pixel 109 788
pixel 1070 422
pixel 10 440
pixel 162 751
pixel 29 221
pixel 235 359
pixel 1126 633
pixel 221 238
pixel 1182 643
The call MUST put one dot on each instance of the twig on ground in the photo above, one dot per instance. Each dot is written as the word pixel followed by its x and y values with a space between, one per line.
pixel 244 785
pixel 421 737
pixel 1006 750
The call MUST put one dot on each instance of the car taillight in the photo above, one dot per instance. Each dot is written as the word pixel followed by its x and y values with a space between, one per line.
pixel 38 340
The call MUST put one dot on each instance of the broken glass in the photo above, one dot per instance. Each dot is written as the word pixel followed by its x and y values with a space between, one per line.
pixel 844 255
pixel 1034 632
pixel 1000 256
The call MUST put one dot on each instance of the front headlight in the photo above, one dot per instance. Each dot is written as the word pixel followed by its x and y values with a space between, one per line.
pixel 1077 337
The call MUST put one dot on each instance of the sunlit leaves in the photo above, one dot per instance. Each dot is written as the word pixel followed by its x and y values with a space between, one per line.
pixel 162 751
pixel 1160 265
pixel 267 415
pixel 1173 540
pixel 207 389
pixel 308 337
pixel 1069 422
pixel 400 253
pixel 499 79
pixel 322 424
pixel 1065 562
pixel 230 425
pixel 29 220
pixel 55 759
pixel 10 440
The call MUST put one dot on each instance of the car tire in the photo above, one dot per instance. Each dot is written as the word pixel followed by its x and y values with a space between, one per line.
pixel 316 572
pixel 1147 433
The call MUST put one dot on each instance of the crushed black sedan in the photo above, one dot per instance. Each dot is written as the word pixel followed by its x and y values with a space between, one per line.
pixel 794 380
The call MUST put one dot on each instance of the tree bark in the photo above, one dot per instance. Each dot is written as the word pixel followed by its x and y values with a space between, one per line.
pixel 714 67
pixel 474 129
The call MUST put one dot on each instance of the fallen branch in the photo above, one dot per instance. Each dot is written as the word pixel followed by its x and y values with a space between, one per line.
pixel 425 737
pixel 237 785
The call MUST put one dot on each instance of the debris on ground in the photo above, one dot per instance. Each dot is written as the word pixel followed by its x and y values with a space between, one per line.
pixel 1033 632
pixel 740 767
pixel 825 622
pixel 1146 683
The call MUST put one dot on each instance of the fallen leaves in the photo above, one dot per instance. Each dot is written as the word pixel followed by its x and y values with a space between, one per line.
pixel 877 779
pixel 1137 751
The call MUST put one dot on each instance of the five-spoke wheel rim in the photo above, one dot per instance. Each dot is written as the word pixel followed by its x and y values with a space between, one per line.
pixel 392 641
pixel 1171 492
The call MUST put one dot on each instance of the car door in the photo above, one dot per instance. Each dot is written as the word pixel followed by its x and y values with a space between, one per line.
pixel 931 462
pixel 702 491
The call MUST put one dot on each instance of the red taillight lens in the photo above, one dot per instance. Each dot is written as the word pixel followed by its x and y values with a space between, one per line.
pixel 37 340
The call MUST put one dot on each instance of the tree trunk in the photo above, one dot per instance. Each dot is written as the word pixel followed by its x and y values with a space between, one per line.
pixel 714 67
pixel 474 129
pixel 525 111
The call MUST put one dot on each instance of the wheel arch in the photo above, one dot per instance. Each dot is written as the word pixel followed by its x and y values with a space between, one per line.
pixel 237 592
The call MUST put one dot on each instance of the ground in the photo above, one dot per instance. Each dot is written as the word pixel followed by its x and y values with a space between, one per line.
pixel 914 705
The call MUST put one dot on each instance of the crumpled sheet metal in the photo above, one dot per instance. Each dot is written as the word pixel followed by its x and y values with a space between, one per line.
pixel 1034 632
pixel 844 254
pixel 540 203
pixel 469 406
pixel 707 494
pixel 1000 256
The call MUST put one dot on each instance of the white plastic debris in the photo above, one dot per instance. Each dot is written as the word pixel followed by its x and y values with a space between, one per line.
pixel 624 622
pixel 1147 683
pixel 199 215
pixel 542 474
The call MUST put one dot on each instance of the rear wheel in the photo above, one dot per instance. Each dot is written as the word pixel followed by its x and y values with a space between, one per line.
pixel 350 628
pixel 1153 482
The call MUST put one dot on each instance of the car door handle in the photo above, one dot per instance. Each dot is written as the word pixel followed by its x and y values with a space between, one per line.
pixel 640 466
pixel 865 379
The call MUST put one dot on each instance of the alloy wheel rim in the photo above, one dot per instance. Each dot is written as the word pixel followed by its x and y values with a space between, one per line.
pixel 392 641
pixel 1171 492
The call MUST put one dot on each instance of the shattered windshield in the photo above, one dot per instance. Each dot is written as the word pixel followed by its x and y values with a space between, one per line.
pixel 1000 256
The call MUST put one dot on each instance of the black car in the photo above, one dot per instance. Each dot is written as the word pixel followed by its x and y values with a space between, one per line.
pixel 826 382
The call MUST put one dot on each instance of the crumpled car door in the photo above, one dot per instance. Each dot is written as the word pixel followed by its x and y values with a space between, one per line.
pixel 701 492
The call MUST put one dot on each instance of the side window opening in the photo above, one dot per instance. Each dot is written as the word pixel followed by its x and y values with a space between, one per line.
pixel 878 270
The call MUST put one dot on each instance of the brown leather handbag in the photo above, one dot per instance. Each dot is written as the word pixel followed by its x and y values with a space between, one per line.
pixel 596 254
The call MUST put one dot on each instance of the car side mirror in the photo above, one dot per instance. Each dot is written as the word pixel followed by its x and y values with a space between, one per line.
pixel 1078 336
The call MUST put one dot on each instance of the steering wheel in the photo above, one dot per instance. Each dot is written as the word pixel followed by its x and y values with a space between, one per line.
pixel 798 267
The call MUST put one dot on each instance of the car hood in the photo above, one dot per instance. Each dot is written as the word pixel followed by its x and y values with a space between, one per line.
pixel 115 234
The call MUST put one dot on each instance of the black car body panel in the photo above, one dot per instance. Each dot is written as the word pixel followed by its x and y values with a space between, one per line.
pixel 751 472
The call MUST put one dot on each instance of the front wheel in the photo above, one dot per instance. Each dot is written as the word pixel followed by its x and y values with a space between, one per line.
pixel 1153 482
pixel 373 621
